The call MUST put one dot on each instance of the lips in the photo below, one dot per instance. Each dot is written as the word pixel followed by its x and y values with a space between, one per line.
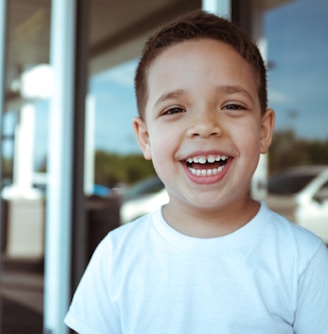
pixel 206 165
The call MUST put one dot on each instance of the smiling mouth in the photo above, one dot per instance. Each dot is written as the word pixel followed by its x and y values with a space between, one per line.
pixel 206 165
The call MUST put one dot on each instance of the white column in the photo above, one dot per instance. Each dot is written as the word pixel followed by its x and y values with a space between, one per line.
pixel 24 151
pixel 219 7
pixel 58 215
pixel 89 157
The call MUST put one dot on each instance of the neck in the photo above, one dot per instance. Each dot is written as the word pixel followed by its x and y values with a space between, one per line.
pixel 209 223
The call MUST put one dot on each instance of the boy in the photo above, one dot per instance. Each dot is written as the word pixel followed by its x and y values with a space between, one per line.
pixel 212 260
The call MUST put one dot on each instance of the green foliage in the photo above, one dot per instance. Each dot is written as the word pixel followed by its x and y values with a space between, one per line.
pixel 43 166
pixel 288 150
pixel 112 169
pixel 7 166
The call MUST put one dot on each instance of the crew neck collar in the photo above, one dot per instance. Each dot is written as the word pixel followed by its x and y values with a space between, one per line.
pixel 239 239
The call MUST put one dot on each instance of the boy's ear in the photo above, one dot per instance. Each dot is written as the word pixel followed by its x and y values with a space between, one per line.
pixel 142 134
pixel 267 128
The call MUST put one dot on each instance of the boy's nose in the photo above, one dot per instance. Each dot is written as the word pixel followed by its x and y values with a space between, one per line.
pixel 206 125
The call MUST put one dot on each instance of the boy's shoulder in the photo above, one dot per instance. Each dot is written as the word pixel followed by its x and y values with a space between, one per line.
pixel 138 225
pixel 292 231
pixel 289 238
pixel 128 235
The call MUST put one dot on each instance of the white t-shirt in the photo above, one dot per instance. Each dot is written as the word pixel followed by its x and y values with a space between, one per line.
pixel 268 277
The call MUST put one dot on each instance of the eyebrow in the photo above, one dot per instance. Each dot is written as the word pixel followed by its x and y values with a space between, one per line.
pixel 231 89
pixel 170 95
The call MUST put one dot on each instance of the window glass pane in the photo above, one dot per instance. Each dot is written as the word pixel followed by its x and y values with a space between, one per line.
pixel 298 81
pixel 115 108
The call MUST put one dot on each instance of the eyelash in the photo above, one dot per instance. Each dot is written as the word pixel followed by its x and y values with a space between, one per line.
pixel 234 106
pixel 173 110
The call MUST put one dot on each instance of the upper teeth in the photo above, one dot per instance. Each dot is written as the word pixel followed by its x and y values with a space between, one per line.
pixel 209 158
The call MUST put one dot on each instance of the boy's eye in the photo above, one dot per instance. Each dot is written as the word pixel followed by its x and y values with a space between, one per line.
pixel 234 106
pixel 173 110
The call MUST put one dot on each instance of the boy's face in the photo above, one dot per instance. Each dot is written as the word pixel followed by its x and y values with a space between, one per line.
pixel 203 127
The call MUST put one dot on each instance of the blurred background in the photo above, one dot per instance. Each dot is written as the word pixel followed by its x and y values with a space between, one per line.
pixel 71 169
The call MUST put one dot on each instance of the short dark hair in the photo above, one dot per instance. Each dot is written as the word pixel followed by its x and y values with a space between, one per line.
pixel 198 25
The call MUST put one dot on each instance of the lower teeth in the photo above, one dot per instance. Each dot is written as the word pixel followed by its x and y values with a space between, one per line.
pixel 206 172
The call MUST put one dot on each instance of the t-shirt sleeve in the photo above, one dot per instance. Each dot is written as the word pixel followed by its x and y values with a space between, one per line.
pixel 311 313
pixel 91 310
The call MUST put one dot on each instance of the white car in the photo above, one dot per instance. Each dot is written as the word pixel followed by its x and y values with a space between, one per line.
pixel 145 196
pixel 301 195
